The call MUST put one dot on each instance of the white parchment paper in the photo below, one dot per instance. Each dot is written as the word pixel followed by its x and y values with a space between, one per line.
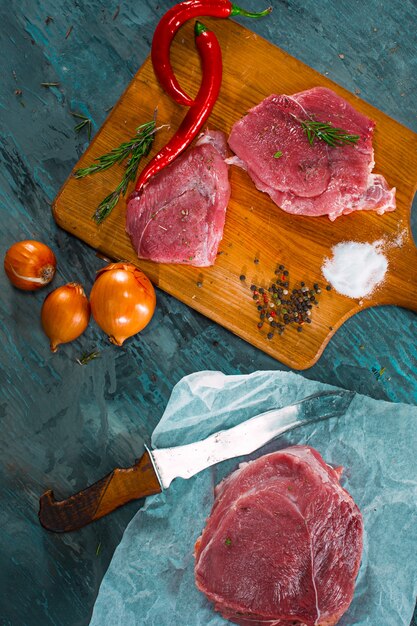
pixel 150 581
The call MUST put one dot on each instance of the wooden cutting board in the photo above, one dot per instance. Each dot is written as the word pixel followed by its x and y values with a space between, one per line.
pixel 257 235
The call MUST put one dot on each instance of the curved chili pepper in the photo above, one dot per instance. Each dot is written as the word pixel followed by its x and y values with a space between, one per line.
pixel 211 58
pixel 168 27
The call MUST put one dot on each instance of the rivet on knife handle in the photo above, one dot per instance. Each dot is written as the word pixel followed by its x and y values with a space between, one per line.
pixel 106 495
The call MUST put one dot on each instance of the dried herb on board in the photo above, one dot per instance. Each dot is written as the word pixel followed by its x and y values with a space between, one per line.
pixel 130 152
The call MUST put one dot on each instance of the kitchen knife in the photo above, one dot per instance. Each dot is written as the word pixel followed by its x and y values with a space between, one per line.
pixel 156 469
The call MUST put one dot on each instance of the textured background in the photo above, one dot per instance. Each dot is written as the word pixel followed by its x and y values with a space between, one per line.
pixel 66 425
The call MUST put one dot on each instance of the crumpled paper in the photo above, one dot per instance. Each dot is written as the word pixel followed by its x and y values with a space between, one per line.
pixel 150 581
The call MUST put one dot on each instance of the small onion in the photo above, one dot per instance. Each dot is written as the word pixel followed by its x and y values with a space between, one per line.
pixel 65 314
pixel 29 264
pixel 122 301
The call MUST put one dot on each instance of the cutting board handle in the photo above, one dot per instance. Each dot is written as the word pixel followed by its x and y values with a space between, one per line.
pixel 106 495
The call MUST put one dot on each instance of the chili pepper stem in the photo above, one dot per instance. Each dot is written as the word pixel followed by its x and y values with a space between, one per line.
pixel 199 28
pixel 239 11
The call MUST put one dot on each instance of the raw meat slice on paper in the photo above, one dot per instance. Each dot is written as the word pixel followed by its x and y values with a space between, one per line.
pixel 309 179
pixel 283 543
pixel 179 217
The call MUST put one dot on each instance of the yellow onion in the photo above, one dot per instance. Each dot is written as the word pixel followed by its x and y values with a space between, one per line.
pixel 29 264
pixel 122 301
pixel 65 314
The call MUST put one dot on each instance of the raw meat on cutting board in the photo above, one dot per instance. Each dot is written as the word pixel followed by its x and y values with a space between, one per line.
pixel 283 543
pixel 311 179
pixel 179 217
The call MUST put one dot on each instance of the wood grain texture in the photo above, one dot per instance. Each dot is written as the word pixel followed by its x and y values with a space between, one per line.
pixel 255 227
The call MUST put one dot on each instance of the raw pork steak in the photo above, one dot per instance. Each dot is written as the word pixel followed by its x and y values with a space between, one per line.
pixel 179 217
pixel 283 543
pixel 311 179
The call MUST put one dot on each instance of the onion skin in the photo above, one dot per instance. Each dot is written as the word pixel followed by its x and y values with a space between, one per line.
pixel 122 301
pixel 65 314
pixel 29 265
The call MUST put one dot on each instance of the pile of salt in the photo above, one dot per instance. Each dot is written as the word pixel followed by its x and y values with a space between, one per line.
pixel 356 268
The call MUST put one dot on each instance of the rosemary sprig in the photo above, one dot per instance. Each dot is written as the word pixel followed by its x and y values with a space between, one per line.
pixel 117 155
pixel 326 132
pixel 85 122
pixel 107 205
pixel 132 150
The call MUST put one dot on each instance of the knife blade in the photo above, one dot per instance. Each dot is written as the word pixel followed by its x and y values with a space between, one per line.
pixel 157 468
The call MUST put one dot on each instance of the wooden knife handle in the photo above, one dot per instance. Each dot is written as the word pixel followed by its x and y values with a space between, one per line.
pixel 106 495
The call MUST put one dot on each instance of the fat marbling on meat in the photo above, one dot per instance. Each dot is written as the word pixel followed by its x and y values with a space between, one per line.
pixel 283 543
pixel 179 216
pixel 311 179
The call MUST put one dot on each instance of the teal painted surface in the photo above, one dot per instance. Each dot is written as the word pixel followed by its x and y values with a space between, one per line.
pixel 64 425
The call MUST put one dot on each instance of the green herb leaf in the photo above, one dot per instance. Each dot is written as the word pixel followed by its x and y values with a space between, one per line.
pixel 86 357
pixel 227 541
pixel 278 154
pixel 122 152
pixel 107 205
pixel 85 123
pixel 326 132
pixel 130 152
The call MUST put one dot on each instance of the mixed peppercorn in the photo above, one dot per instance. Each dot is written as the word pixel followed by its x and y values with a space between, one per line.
pixel 279 306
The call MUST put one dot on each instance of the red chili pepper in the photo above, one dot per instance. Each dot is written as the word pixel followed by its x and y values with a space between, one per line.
pixel 168 27
pixel 211 58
